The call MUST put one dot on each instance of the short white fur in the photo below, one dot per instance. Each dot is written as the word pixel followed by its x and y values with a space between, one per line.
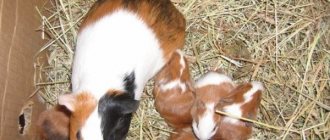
pixel 213 78
pixel 255 87
pixel 107 51
pixel 182 62
pixel 235 110
pixel 206 124
pixel 90 132
pixel 173 84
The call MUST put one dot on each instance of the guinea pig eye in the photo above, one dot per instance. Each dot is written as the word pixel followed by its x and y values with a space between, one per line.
pixel 78 135
pixel 195 122
pixel 214 129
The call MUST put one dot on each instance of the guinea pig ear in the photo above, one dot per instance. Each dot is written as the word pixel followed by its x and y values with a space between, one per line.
pixel 67 100
pixel 224 102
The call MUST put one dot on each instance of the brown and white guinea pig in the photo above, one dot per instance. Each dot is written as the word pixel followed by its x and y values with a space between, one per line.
pixel 183 134
pixel 121 44
pixel 53 124
pixel 174 92
pixel 210 88
pixel 243 101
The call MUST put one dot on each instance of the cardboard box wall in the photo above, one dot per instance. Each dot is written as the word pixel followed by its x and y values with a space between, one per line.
pixel 19 42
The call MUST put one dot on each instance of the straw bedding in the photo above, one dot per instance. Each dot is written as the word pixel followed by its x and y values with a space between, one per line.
pixel 283 43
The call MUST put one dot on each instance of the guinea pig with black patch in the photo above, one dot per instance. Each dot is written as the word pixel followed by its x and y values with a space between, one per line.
pixel 121 44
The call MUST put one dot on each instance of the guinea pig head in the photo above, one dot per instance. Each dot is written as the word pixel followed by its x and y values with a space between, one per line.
pixel 53 124
pixel 243 102
pixel 174 92
pixel 204 120
pixel 81 106
pixel 210 88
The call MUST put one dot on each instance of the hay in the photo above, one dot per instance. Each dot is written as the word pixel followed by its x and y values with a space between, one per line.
pixel 284 44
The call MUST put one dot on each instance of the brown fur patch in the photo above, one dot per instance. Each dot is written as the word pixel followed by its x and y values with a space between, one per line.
pixel 170 71
pixel 84 106
pixel 176 109
pixel 53 124
pixel 99 10
pixel 197 110
pixel 213 93
pixel 114 92
pixel 183 134
pixel 236 95
pixel 229 131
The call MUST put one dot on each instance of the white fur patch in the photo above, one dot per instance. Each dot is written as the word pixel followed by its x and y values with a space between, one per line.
pixel 111 48
pixel 173 84
pixel 255 87
pixel 235 110
pixel 91 129
pixel 205 129
pixel 213 78
pixel 182 62
pixel 106 52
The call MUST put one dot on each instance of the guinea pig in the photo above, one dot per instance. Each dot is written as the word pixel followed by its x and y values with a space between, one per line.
pixel 121 44
pixel 243 101
pixel 53 124
pixel 210 88
pixel 174 92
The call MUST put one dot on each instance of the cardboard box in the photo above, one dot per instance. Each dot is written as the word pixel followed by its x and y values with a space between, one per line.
pixel 19 42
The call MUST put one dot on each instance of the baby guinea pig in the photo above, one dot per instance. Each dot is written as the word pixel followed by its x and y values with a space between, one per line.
pixel 173 92
pixel 210 88
pixel 243 101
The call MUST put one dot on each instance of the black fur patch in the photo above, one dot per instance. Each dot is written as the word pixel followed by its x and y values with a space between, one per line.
pixel 116 111
pixel 130 83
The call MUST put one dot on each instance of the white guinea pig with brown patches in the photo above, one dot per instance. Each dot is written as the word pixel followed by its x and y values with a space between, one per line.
pixel 244 101
pixel 210 88
pixel 174 93
pixel 53 124
pixel 121 44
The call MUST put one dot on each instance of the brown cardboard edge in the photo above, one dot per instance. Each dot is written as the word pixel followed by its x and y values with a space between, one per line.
pixel 19 42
